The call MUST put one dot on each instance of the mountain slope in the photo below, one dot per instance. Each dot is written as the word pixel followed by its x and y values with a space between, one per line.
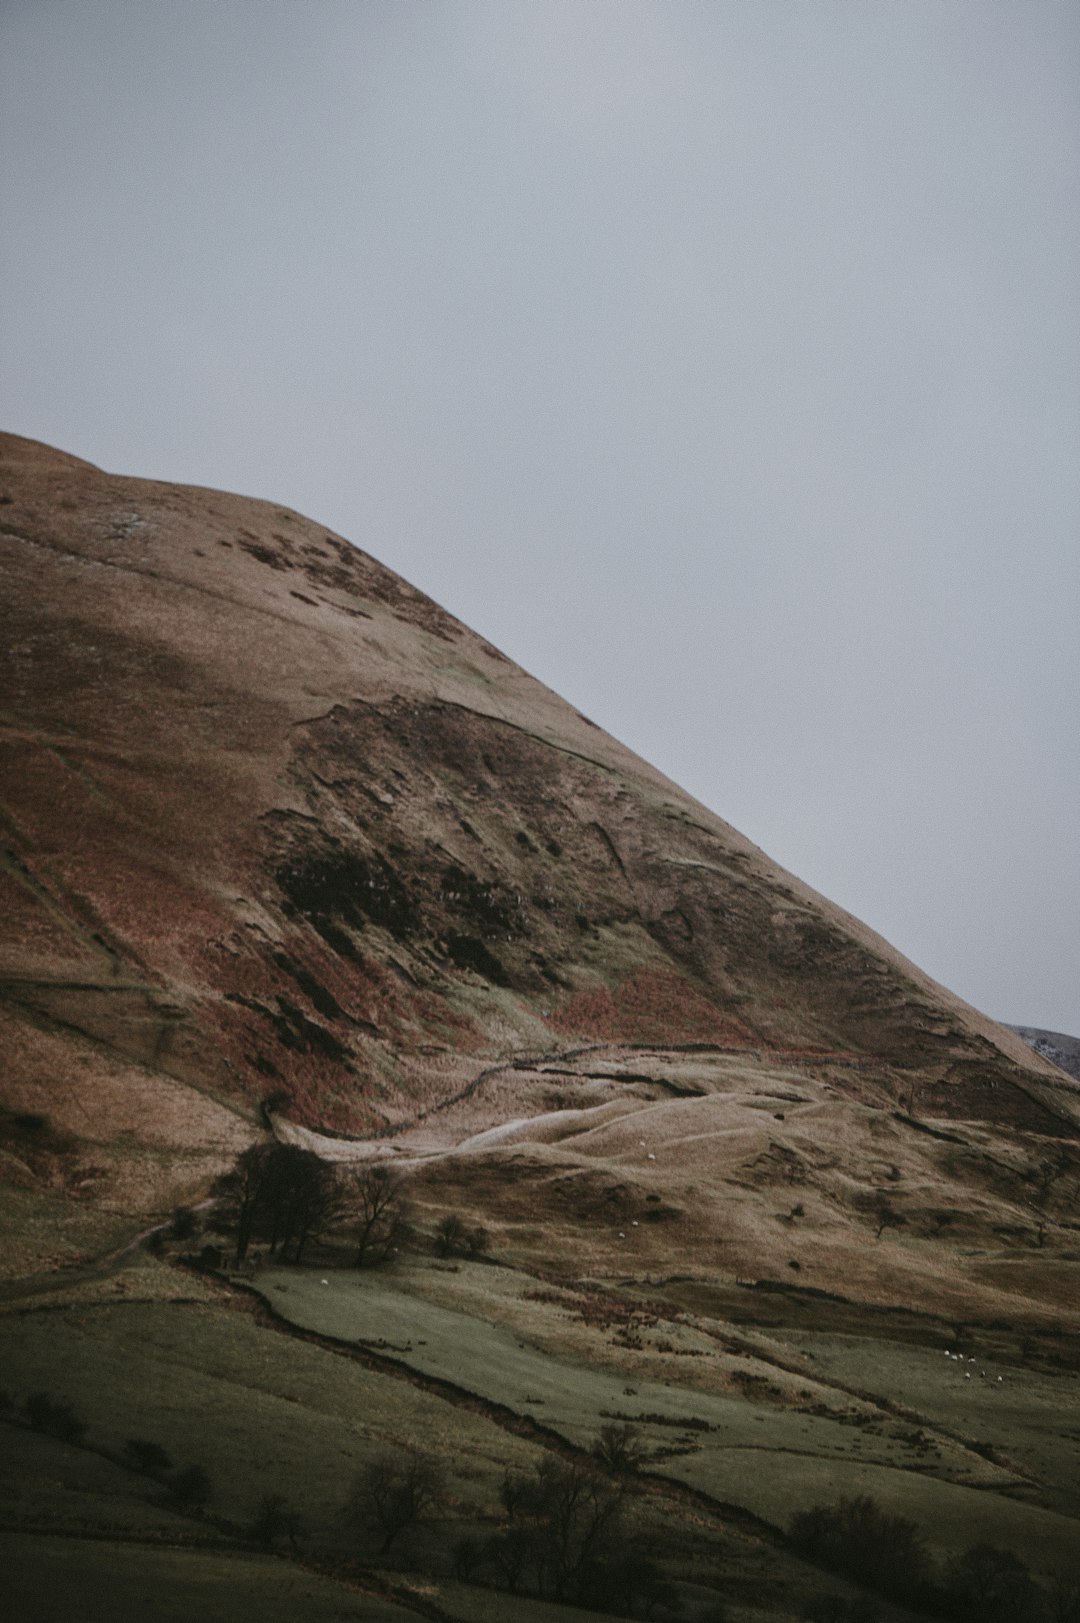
pixel 287 851
pixel 280 831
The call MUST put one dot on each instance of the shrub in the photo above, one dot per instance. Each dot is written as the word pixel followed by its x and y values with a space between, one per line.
pixel 619 1448
pixel 45 1413
pixel 477 1241
pixel 66 1424
pixel 991 1585
pixel 454 1239
pixel 38 1409
pixel 858 1538
pixel 449 1235
pixel 189 1489
pixel 275 1519
pixel 146 1456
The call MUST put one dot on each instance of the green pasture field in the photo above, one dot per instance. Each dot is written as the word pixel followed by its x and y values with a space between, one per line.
pixel 261 1412
pixel 1027 1415
pixel 771 1460
pixel 264 1411
pixel 461 1362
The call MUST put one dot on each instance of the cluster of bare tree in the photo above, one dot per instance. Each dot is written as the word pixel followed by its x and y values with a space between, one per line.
pixel 564 1536
pixel 887 1554
pixel 279 1194
pixel 283 1196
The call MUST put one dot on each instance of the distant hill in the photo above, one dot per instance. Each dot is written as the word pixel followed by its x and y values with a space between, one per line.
pixel 1060 1050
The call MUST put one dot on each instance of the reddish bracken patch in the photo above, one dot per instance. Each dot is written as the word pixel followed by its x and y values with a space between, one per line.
pixel 651 1005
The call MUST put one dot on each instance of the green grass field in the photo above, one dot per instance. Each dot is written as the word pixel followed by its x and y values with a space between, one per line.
pixel 489 1370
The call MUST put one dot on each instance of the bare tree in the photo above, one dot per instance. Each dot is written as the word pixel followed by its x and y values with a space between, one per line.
pixel 577 1512
pixel 303 1195
pixel 376 1198
pixel 243 1192
pixel 563 1526
pixel 395 1491
pixel 477 1241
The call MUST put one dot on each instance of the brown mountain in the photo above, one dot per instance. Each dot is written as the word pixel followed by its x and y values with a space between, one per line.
pixel 283 839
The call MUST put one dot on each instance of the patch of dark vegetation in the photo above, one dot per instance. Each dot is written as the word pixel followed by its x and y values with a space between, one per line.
pixel 345 888
pixel 43 1412
pixel 972 1091
pixel 320 998
pixel 651 1418
pixel 487 906
pixel 799 1290
pixel 456 1238
pixel 265 555
pixel 35 1140
pixel 922 1127
pixel 275 1521
pixel 859 1539
pixel 887 1555
pixel 189 1488
pixel 295 1031
pixel 144 1455
pixel 337 940
pixel 468 952
pixel 264 1066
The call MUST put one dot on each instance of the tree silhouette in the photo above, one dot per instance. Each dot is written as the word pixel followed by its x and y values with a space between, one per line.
pixel 449 1235
pixel 563 1529
pixel 394 1492
pixel 275 1519
pixel 189 1489
pixel 991 1585
pixel 376 1197
pixel 619 1447
pixel 858 1538
pixel 281 1194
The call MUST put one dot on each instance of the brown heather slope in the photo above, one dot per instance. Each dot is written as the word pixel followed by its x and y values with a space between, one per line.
pixel 278 828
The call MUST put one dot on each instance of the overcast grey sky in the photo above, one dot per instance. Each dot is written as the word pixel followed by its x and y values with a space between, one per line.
pixel 717 359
